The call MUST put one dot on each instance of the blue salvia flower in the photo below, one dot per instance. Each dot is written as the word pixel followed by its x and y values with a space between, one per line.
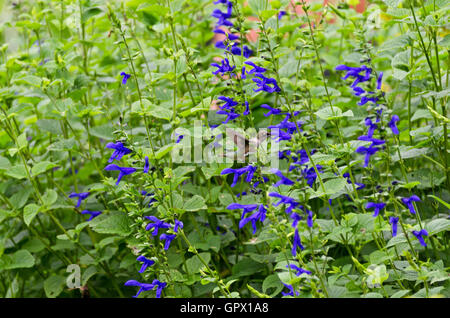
pixel 303 157
pixel 377 207
pixel 260 215
pixel 281 14
pixel 379 112
pixel 354 72
pixel 168 239
pixel 393 124
pixel 230 36
pixel 289 126
pixel 309 220
pixel 223 16
pixel 119 151
pixel 371 126
pixel 263 83
pixel 379 80
pixel 285 200
pixel 279 135
pixel 285 154
pixel 272 111
pixel 149 195
pixel 250 170
pixel 145 263
pixel 247 208
pixel 241 194
pixel 291 291
pixel 221 1
pixel 223 68
pixel 180 137
pixel 349 181
pixel 247 52
pixel 156 225
pixel 159 287
pixel 369 151
pixel 236 50
pixel 93 214
pixel 231 115
pixel 297 243
pixel 310 174
pixel 394 222
pixel 365 99
pixel 374 141
pixel 409 203
pixel 283 180
pixel 247 109
pixel 255 69
pixel 295 219
pixel 146 165
pixel 81 196
pixel 243 76
pixel 142 286
pixel 178 225
pixel 123 171
pixel 125 77
pixel 419 235
pixel 298 270
pixel 229 103
pixel 358 91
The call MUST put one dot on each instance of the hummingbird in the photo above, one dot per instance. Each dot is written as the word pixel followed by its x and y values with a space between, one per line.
pixel 246 146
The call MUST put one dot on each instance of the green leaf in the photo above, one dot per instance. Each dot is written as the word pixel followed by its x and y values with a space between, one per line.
pixel 20 198
pixel 91 12
pixel 247 267
pixel 54 285
pixel 195 203
pixel 29 212
pixel 272 281
pixel 19 259
pixel 29 79
pixel 42 167
pixel 50 196
pixel 328 113
pixel 103 131
pixel 392 3
pixel 407 152
pixel 164 150
pixel 22 141
pixel 17 172
pixel 257 5
pixel 4 163
pixel 88 273
pixel 112 223
pixel 400 293
pixel 194 264
pixel 437 225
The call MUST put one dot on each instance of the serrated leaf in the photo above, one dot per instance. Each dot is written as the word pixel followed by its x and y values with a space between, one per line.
pixel 54 285
pixel 112 223
pixel 29 212
pixel 19 259
pixel 42 167
pixel 437 225
pixel 194 264
pixel 195 203
pixel 50 196
pixel 17 172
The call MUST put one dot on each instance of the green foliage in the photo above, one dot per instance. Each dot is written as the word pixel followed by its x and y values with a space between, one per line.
pixel 63 99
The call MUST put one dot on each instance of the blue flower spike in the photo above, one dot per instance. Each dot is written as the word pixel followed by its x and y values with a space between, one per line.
pixel 81 196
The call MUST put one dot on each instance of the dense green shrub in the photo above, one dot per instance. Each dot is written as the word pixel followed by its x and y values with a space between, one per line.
pixel 346 196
